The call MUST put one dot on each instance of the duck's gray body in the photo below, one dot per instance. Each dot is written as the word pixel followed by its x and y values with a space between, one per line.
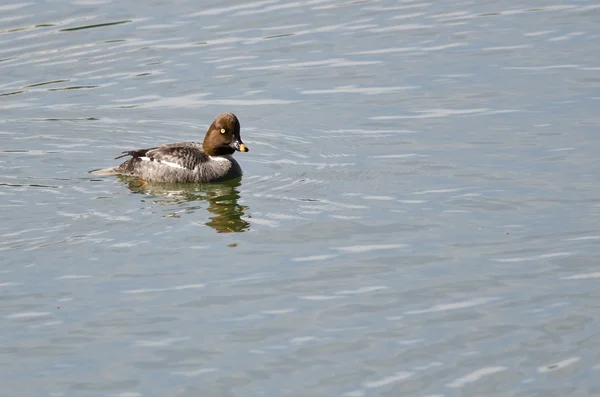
pixel 176 163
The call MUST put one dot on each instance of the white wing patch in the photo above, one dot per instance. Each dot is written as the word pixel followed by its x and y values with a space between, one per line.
pixel 167 163
pixel 222 159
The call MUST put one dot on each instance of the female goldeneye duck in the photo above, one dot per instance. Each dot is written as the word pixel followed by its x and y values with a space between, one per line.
pixel 210 161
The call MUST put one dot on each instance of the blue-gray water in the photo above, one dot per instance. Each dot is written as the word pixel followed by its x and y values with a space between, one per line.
pixel 419 214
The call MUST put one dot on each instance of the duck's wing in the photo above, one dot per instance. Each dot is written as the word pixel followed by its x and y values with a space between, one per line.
pixel 181 154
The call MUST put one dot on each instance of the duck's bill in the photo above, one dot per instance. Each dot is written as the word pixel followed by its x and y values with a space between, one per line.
pixel 239 146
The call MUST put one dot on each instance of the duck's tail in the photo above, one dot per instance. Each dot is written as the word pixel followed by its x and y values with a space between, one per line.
pixel 105 172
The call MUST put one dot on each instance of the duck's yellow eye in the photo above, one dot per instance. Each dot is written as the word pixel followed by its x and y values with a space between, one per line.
pixel 222 130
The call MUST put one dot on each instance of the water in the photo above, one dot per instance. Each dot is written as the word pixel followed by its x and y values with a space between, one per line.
pixel 418 215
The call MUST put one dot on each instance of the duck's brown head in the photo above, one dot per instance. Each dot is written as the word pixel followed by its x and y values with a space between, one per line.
pixel 223 136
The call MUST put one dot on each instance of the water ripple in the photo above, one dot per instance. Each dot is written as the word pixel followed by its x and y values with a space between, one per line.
pixel 475 376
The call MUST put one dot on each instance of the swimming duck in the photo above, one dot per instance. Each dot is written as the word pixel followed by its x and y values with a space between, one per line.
pixel 209 161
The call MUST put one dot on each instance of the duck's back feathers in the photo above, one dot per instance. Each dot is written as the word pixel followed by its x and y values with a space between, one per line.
pixel 181 154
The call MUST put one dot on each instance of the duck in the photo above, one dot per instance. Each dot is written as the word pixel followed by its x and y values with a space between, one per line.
pixel 188 162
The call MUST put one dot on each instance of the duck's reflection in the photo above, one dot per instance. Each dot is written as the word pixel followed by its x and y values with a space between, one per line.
pixel 222 201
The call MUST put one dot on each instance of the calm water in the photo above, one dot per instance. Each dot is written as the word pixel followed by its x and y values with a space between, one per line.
pixel 419 215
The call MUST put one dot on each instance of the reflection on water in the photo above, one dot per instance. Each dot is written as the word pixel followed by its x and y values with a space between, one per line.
pixel 222 201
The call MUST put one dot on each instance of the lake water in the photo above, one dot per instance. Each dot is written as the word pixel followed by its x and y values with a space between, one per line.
pixel 419 214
